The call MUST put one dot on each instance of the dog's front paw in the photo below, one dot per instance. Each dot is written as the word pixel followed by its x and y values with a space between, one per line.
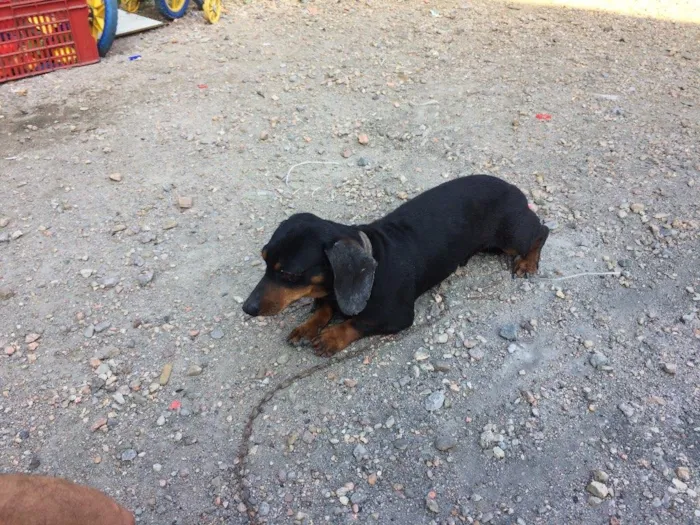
pixel 326 344
pixel 303 333
pixel 334 339
pixel 525 267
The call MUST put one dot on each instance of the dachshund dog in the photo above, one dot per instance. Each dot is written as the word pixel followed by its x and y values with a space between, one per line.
pixel 42 500
pixel 373 273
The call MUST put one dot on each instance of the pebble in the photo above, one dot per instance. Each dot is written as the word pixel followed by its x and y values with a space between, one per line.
pixel 476 354
pixel 6 293
pixel 389 422
pixel 598 359
pixel 512 348
pixel 4 237
pixel 145 277
pixel 401 444
pixel 498 453
pixel 4 222
pixel 165 374
pixel 264 508
pixel 109 281
pixel 185 202
pixel 283 359
pixel 362 162
pixel 626 409
pixel 679 485
pixel 16 235
pixel 598 489
pixel 350 383
pixel 432 505
pixel 509 332
pixel 160 421
pixel 363 139
pixel 216 333
pixel 129 455
pixel 683 473
pixel 670 368
pixel 194 370
pixel 435 401
pixel 157 467
pixel 445 442
pixel 421 355
pixel 98 424
pixel 116 177
pixel 442 366
pixel 442 338
pixel 89 331
pixel 601 476
pixel 360 452
pixel 86 272
pixel 101 327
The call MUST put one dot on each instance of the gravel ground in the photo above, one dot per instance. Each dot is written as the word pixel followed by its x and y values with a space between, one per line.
pixel 136 196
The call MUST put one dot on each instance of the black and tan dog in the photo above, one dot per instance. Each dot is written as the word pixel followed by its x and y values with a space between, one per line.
pixel 372 274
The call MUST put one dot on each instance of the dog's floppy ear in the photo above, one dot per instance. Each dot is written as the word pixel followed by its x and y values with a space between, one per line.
pixel 353 273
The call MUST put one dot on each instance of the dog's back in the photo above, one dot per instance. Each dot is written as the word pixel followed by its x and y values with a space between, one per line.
pixel 41 500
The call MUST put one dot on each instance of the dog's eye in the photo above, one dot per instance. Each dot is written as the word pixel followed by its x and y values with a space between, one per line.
pixel 290 277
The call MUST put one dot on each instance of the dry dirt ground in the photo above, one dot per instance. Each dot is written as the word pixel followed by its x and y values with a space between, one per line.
pixel 535 388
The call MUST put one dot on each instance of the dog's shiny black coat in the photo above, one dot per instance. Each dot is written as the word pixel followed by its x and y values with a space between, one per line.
pixel 413 248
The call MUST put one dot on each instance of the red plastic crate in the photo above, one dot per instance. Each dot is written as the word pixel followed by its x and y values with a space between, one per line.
pixel 38 36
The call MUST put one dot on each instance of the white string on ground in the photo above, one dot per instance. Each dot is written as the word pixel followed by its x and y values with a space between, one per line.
pixel 289 172
pixel 584 274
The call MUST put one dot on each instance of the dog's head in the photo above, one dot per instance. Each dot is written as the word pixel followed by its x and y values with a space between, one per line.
pixel 311 257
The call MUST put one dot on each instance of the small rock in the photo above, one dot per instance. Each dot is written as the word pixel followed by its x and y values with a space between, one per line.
pixel 109 281
pixel 594 501
pixel 346 153
pixel 679 485
pixel 264 508
pixel 4 222
pixel 184 202
pixel 626 409
pixel 435 401
pixel 421 355
pixel 498 453
pixel 89 331
pixel 4 237
pixel 86 272
pixel 98 424
pixel 362 162
pixel 129 455
pixel 160 421
pixel 194 370
pixel 363 139
pixel 165 374
pixel 637 208
pixel 116 177
pixel 16 235
pixel 598 489
pixel 683 473
pixel 442 338
pixel 588 344
pixel 432 505
pixel 476 354
pixel 30 338
pixel 360 452
pixel 283 359
pixel 264 135
pixel 669 368
pixel 598 359
pixel 350 383
pixel 442 366
pixel 509 332
pixel 145 277
pixel 157 467
pixel 601 476
pixel 101 327
pixel 401 444
pixel 216 333
pixel 169 225
pixel 445 442
pixel 6 293
pixel 389 422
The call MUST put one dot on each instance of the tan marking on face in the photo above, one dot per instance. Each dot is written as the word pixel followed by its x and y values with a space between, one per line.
pixel 276 298
pixel 277 266
pixel 318 279
pixel 264 255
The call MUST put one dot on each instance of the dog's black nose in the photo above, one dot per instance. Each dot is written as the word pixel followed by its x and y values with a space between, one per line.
pixel 251 308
